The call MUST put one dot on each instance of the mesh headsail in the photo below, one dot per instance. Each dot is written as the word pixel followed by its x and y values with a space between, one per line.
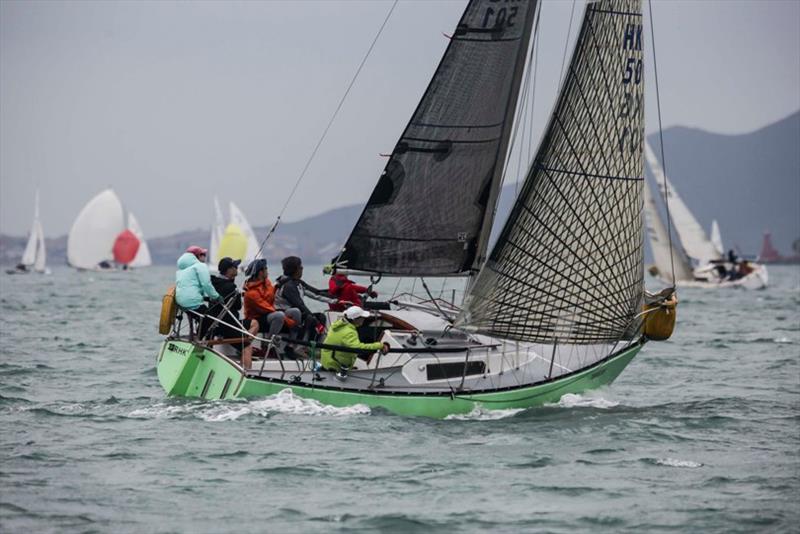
pixel 567 266
pixel 427 214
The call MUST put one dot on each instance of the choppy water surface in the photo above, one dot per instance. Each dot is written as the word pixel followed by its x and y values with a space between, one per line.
pixel 700 433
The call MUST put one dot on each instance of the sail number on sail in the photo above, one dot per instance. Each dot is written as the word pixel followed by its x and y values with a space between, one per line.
pixel 495 18
pixel 631 76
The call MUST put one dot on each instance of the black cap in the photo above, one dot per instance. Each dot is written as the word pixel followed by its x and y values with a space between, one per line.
pixel 255 267
pixel 227 263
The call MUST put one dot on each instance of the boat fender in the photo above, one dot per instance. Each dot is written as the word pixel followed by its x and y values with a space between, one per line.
pixel 659 319
pixel 169 309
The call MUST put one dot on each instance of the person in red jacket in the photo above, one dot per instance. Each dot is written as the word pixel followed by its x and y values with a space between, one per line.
pixel 347 292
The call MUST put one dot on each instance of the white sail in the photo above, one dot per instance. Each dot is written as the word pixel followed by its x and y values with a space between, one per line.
pixel 217 229
pixel 41 253
pixel 238 218
pixel 95 228
pixel 716 238
pixel 142 258
pixel 660 243
pixel 29 256
pixel 693 238
pixel 35 254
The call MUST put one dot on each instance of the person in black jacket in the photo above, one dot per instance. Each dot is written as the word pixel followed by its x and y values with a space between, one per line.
pixel 290 292
pixel 225 284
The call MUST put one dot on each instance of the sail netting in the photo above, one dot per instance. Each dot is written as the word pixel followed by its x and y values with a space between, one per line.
pixel 568 264
pixel 426 215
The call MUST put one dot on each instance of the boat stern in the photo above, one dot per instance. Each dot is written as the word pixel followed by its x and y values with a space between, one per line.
pixel 190 370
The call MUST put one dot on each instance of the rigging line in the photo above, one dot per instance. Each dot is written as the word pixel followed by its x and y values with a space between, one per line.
pixel 566 44
pixel 325 132
pixel 535 60
pixel 518 121
pixel 528 100
pixel 436 304
pixel 661 142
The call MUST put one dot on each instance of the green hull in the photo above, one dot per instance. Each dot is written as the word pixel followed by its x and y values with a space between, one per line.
pixel 188 370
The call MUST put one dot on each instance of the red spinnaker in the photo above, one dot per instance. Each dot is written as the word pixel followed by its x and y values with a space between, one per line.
pixel 125 247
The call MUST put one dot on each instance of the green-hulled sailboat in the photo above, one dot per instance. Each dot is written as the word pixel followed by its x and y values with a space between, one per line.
pixel 555 306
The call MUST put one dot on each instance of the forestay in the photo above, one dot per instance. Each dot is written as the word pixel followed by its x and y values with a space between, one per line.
pixel 431 211
pixel 568 264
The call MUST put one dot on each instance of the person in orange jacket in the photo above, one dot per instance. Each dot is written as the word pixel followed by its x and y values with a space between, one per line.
pixel 347 292
pixel 259 301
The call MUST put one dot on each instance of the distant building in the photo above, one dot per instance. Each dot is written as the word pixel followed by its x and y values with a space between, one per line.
pixel 769 254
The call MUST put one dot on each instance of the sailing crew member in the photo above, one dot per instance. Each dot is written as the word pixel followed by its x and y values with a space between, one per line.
pixel 193 284
pixel 225 284
pixel 348 292
pixel 291 291
pixel 259 301
pixel 344 333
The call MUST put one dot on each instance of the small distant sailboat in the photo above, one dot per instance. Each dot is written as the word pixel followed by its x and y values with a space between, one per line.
pixel 699 261
pixel 34 257
pixel 92 236
pixel 235 240
pixel 99 239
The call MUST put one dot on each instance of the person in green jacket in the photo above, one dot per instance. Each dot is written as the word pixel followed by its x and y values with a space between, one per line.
pixel 344 334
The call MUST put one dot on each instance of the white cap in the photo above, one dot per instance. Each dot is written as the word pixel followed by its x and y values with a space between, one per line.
pixel 354 312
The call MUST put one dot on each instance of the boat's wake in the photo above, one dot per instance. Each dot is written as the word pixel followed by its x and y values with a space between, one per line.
pixel 672 462
pixel 587 400
pixel 284 402
pixel 479 413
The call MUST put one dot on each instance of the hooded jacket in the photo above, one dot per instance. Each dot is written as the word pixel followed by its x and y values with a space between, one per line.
pixel 347 291
pixel 259 298
pixel 344 333
pixel 193 282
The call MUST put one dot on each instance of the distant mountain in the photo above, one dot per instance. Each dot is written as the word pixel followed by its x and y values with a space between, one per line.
pixel 749 183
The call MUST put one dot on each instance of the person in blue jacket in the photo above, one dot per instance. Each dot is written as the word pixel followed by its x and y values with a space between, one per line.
pixel 193 283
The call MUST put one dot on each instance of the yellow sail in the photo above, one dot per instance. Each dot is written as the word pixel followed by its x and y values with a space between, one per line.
pixel 233 243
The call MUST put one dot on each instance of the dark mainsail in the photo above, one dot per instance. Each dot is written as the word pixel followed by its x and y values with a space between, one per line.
pixel 567 266
pixel 431 212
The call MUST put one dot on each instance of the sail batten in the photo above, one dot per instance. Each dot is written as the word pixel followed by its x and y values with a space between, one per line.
pixel 568 264
pixel 431 211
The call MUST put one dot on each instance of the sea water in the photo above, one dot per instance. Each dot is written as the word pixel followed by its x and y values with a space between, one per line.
pixel 700 433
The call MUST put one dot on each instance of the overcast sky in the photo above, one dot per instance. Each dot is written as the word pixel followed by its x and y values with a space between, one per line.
pixel 171 103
